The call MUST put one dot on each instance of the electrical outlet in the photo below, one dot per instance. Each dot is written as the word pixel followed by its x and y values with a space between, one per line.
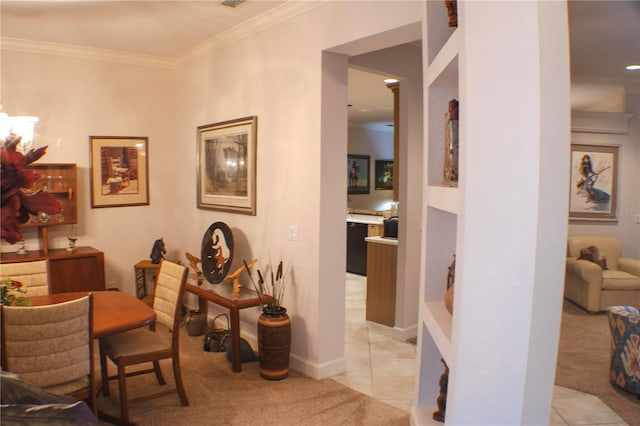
pixel 637 218
pixel 293 232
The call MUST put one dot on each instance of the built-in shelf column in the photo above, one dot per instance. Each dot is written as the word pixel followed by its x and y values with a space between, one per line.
pixel 508 65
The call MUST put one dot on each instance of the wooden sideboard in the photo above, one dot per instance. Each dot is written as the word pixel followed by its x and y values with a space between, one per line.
pixel 80 270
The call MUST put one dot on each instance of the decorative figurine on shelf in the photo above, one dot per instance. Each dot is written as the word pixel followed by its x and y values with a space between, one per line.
pixel 158 251
pixel 72 244
pixel 23 248
pixel 439 415
pixel 452 12
pixel 451 144
pixel 451 276
pixel 193 262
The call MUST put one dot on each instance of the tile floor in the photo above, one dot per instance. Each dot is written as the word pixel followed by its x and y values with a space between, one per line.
pixel 385 369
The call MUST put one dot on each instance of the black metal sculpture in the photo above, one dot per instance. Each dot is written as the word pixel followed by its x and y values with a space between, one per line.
pixel 158 251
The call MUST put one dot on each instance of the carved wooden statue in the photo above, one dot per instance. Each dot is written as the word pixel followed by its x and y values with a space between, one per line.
pixel 439 415
pixel 193 262
pixel 452 12
pixel 235 292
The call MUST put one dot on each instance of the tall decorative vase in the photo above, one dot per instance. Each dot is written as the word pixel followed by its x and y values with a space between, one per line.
pixel 274 344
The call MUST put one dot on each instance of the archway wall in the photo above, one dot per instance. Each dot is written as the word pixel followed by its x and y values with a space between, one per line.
pixel 292 75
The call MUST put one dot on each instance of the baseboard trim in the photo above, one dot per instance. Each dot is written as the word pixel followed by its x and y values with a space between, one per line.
pixel 304 366
pixel 404 334
pixel 318 371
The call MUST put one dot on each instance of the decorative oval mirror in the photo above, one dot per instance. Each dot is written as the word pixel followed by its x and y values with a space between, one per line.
pixel 216 252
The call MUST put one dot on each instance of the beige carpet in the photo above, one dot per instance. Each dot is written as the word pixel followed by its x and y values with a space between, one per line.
pixel 219 397
pixel 583 361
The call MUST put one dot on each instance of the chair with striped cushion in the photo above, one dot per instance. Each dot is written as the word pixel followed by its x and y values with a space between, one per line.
pixel 51 347
pixel 33 275
pixel 145 345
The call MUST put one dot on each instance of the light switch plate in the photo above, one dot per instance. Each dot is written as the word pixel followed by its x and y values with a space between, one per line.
pixel 293 232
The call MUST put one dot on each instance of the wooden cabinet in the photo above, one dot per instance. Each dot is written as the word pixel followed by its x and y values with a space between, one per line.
pixel 381 281
pixel 375 230
pixel 80 270
pixel 61 181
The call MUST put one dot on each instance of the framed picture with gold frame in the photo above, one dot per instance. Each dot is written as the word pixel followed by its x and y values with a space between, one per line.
pixel 358 174
pixel 593 185
pixel 227 166
pixel 119 171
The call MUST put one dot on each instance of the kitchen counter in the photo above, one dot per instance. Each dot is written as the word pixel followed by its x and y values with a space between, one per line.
pixel 382 240
pixel 382 254
pixel 365 218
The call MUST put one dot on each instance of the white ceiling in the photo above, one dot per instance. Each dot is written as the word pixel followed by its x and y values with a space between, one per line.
pixel 158 28
pixel 604 36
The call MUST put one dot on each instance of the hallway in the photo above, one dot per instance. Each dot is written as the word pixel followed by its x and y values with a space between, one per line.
pixel 385 369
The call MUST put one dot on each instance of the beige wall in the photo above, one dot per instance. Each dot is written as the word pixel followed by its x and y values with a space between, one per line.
pixel 627 227
pixel 379 146
pixel 76 98
pixel 275 74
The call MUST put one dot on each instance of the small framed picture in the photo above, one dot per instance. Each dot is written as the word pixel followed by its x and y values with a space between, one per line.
pixel 593 186
pixel 227 166
pixel 119 171
pixel 384 174
pixel 357 174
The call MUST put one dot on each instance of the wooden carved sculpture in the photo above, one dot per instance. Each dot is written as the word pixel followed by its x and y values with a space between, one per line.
pixel 235 292
pixel 452 12
pixel 439 415
pixel 193 262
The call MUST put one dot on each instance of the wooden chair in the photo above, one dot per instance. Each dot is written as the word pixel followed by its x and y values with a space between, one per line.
pixel 33 275
pixel 51 347
pixel 146 345
pixel 117 170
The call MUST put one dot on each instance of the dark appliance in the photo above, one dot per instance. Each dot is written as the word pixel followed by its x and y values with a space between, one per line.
pixel 357 248
pixel 391 227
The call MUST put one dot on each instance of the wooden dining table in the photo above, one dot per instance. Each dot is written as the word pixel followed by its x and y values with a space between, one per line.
pixel 113 311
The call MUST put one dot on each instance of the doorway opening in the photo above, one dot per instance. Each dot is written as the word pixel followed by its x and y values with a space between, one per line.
pixel 381 342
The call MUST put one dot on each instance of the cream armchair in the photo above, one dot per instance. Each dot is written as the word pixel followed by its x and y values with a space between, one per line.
pixel 595 289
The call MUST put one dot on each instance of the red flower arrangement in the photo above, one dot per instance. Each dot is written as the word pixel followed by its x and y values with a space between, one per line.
pixel 16 205
pixel 13 293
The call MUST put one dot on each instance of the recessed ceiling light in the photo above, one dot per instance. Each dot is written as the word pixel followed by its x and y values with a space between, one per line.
pixel 390 80
pixel 633 67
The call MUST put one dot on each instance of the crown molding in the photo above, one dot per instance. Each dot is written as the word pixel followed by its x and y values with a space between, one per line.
pixel 271 17
pixel 614 123
pixel 81 52
pixel 251 26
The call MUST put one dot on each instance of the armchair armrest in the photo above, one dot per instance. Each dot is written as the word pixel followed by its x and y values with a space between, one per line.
pixel 587 271
pixel 631 266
